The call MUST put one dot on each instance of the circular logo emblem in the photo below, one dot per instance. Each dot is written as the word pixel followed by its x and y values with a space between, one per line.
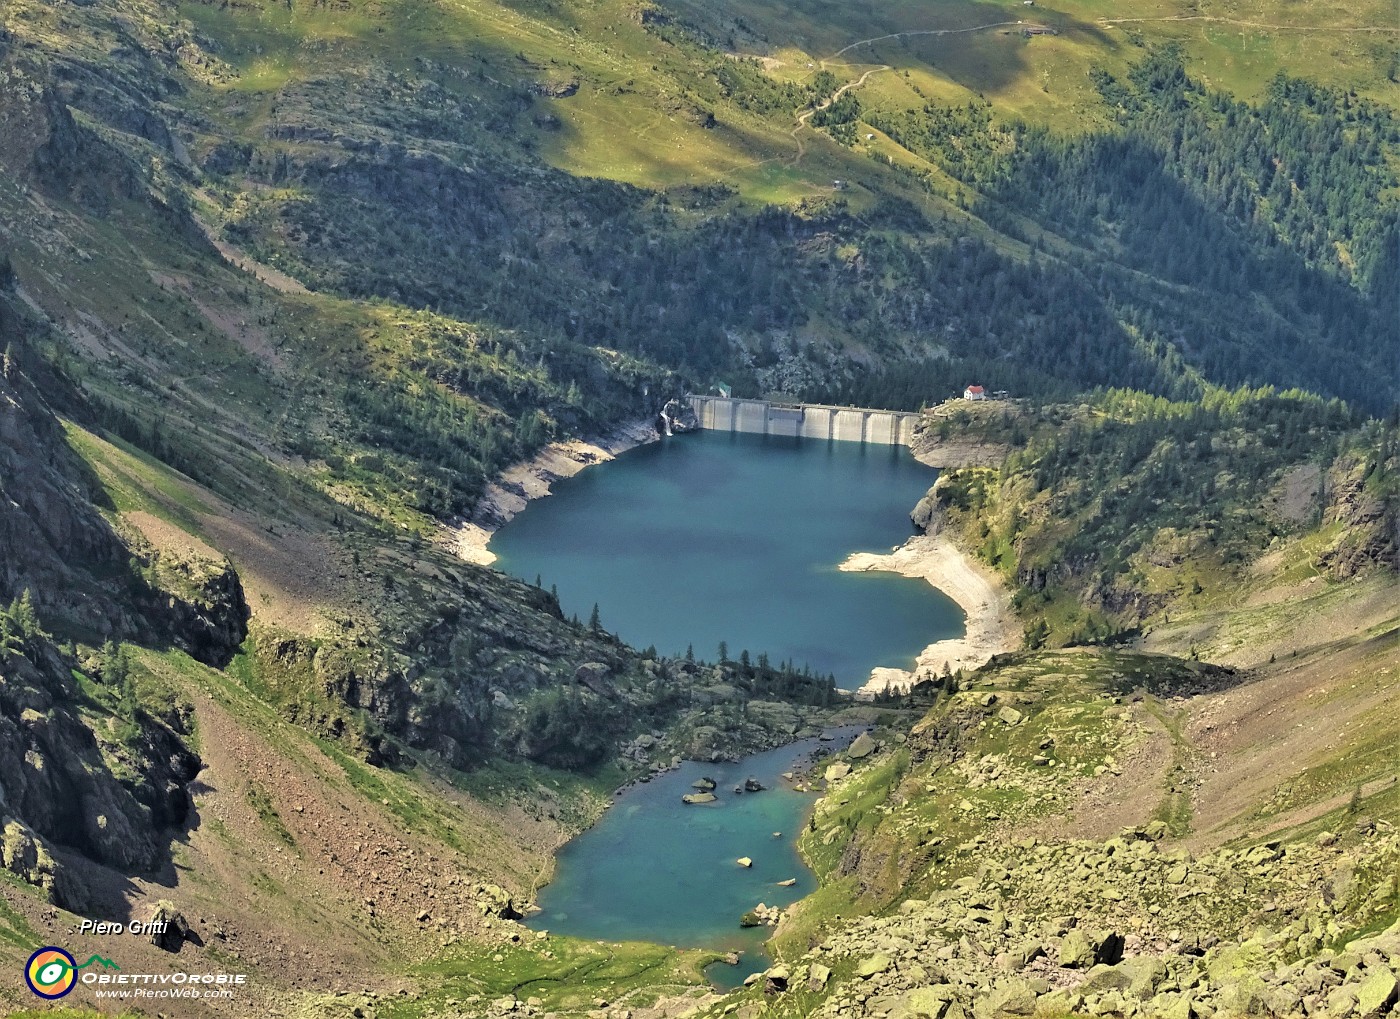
pixel 51 972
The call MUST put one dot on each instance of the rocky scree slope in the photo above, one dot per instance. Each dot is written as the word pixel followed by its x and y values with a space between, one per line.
pixel 1021 853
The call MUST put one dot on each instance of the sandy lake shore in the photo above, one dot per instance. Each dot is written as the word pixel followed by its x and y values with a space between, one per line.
pixel 991 626
pixel 516 486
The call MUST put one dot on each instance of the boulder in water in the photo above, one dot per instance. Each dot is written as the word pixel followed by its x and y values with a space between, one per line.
pixel 705 797
pixel 752 785
pixel 706 784
pixel 744 861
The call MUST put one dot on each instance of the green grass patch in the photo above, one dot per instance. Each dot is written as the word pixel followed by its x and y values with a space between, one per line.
pixel 136 481
pixel 266 810
pixel 14 928
pixel 564 974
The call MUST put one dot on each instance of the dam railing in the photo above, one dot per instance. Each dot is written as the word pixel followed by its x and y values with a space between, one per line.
pixel 805 420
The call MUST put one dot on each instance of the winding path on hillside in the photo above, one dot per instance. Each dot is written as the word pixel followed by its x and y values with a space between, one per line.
pixel 806 115
pixel 925 31
pixel 1250 24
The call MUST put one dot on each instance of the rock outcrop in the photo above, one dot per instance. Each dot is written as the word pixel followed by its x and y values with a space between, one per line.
pixel 56 545
pixel 60 788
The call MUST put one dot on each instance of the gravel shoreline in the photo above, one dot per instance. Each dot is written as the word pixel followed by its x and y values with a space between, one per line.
pixel 991 626
pixel 531 479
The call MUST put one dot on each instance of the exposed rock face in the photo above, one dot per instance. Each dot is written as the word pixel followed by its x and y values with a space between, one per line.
pixel 211 623
pixel 50 536
pixel 1372 534
pixel 22 852
pixel 56 545
pixel 57 785
pixel 927 516
pixel 676 417
pixel 930 514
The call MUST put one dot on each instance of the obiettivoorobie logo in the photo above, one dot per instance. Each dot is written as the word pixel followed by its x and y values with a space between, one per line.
pixel 51 972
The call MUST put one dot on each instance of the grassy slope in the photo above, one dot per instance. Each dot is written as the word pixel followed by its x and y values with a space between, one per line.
pixel 629 119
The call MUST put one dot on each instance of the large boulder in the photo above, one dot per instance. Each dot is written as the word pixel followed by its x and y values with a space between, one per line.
pixel 1376 994
pixel 1016 997
pixel 874 965
pixel 1075 950
pixel 169 928
pixel 926 1002
pixel 861 746
pixel 493 900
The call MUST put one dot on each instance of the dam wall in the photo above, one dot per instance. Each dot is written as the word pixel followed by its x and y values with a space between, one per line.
pixel 805 420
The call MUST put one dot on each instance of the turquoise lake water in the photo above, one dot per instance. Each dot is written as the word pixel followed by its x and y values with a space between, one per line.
pixel 655 869
pixel 712 537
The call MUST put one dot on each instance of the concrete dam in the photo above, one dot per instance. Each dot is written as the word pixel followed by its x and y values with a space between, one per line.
pixel 805 420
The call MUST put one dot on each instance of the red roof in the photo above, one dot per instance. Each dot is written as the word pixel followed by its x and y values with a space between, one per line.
pixel 974 389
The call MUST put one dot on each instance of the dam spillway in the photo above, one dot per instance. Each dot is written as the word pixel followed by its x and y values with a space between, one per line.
pixel 805 420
